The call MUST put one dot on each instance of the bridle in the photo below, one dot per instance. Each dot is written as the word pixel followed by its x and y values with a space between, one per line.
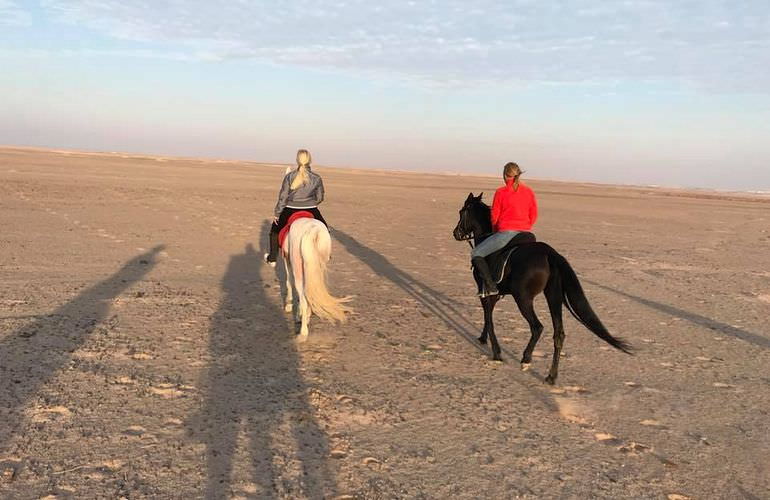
pixel 470 237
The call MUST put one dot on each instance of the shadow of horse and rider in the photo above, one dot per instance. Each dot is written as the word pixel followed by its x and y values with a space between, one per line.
pixel 33 354
pixel 257 400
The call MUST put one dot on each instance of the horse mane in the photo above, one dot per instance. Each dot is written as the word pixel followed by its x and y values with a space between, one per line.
pixel 482 213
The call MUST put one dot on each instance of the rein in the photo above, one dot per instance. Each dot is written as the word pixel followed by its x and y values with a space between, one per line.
pixel 470 239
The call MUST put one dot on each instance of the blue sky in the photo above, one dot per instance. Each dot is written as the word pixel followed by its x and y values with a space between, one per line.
pixel 636 91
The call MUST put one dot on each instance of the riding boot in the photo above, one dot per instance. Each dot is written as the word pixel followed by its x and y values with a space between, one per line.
pixel 490 287
pixel 271 257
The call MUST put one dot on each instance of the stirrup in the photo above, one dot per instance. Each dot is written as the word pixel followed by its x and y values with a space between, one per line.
pixel 485 293
pixel 269 262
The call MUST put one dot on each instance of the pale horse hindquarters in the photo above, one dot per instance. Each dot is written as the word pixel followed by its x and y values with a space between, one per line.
pixel 306 252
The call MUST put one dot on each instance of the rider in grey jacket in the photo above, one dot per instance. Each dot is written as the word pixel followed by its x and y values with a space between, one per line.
pixel 301 190
pixel 307 195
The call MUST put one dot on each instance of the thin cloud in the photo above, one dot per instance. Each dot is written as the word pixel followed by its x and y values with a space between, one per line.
pixel 11 14
pixel 714 44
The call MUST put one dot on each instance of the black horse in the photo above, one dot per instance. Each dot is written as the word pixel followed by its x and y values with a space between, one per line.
pixel 531 269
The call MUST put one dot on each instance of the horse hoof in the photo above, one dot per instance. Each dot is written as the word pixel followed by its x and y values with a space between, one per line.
pixel 482 340
pixel 525 367
pixel 550 380
pixel 497 357
pixel 289 308
pixel 301 338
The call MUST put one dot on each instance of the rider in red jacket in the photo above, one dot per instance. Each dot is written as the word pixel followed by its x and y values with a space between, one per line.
pixel 514 210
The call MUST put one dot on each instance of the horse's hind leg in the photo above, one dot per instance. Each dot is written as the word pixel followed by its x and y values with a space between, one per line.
pixel 488 304
pixel 304 312
pixel 289 302
pixel 554 296
pixel 299 283
pixel 527 309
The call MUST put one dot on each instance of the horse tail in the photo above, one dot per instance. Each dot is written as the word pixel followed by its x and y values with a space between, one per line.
pixel 577 303
pixel 315 248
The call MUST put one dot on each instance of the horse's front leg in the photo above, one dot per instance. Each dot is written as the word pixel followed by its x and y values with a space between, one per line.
pixel 289 302
pixel 488 303
pixel 484 331
pixel 487 307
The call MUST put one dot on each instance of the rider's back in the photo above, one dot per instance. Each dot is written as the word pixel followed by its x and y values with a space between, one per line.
pixel 514 210
pixel 306 195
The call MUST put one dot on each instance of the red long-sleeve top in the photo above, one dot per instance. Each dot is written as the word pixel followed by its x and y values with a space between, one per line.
pixel 514 210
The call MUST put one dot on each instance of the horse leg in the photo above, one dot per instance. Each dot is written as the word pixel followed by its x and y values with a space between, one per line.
pixel 554 296
pixel 297 266
pixel 490 326
pixel 484 331
pixel 527 310
pixel 488 304
pixel 304 313
pixel 289 302
pixel 303 317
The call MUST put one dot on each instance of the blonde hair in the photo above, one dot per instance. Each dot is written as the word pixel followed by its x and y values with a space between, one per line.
pixel 303 161
pixel 512 170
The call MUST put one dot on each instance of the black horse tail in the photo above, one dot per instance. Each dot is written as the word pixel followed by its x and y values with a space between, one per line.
pixel 577 303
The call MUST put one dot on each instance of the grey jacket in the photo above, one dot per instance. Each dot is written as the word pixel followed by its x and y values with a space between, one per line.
pixel 309 195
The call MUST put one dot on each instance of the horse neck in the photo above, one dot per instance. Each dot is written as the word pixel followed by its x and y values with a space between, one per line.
pixel 482 223
pixel 479 239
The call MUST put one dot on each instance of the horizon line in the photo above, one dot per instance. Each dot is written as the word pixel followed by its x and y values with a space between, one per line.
pixel 758 195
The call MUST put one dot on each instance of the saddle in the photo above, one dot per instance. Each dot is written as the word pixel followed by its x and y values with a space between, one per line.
pixel 302 214
pixel 498 261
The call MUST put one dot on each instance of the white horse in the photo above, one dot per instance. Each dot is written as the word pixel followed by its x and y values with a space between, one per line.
pixel 306 251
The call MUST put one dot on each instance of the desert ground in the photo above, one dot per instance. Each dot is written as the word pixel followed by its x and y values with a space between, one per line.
pixel 144 351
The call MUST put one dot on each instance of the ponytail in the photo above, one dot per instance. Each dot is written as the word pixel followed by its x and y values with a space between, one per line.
pixel 303 162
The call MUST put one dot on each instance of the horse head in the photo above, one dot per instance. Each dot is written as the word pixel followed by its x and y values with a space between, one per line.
pixel 474 219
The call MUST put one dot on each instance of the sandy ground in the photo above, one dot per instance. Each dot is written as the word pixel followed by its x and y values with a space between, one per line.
pixel 144 352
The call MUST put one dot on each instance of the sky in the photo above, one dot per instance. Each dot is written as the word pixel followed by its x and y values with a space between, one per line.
pixel 673 93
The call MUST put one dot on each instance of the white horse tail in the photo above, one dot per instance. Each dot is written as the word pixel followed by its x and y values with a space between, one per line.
pixel 315 247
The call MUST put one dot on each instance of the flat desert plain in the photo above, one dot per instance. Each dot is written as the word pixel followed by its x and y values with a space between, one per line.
pixel 144 352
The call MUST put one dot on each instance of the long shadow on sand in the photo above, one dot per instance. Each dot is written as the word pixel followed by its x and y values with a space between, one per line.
pixel 32 355
pixel 431 299
pixel 256 416
pixel 427 297
pixel 697 319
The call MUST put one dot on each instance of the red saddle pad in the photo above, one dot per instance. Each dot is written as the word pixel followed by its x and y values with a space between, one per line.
pixel 302 214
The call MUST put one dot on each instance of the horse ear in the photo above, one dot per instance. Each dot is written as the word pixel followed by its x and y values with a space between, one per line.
pixel 478 198
pixel 470 197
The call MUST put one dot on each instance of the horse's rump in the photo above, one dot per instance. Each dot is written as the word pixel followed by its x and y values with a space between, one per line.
pixel 310 248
